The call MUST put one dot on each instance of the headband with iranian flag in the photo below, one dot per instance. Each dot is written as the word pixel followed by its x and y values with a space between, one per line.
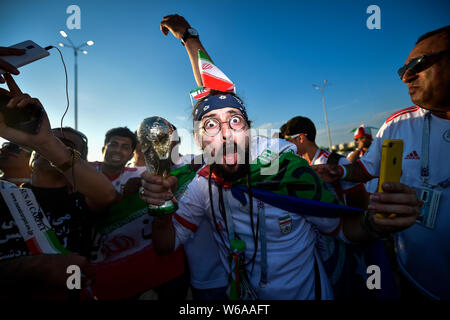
pixel 30 220
pixel 212 78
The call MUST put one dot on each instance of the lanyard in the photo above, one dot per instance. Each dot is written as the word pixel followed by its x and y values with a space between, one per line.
pixel 229 221
pixel 262 233
pixel 424 162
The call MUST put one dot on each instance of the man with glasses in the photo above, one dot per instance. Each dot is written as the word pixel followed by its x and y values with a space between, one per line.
pixel 14 163
pixel 273 249
pixel 423 250
pixel 302 132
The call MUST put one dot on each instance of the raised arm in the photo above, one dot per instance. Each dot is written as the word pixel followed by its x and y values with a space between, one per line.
pixel 178 25
pixel 332 173
pixel 352 157
pixel 97 189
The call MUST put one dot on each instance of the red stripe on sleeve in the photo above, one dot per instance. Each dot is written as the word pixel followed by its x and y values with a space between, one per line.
pixel 401 112
pixel 185 223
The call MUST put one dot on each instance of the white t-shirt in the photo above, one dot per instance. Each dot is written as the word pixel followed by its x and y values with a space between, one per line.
pixel 423 253
pixel 346 187
pixel 126 174
pixel 290 255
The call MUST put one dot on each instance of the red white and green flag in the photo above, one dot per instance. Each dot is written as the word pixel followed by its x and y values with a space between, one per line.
pixel 199 92
pixel 213 77
pixel 30 220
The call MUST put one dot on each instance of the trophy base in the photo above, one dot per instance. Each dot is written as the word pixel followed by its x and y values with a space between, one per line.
pixel 166 209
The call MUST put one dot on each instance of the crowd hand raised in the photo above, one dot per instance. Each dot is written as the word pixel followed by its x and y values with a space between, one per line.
pixel 174 23
pixel 398 203
pixel 5 51
pixel 20 100
pixel 327 172
pixel 156 190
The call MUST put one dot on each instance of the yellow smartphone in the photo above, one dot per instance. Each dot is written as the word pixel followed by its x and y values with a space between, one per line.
pixel 390 164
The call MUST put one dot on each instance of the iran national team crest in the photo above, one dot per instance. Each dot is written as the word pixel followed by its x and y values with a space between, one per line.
pixel 285 224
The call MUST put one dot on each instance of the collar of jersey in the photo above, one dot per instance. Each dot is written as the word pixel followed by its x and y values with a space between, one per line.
pixel 204 172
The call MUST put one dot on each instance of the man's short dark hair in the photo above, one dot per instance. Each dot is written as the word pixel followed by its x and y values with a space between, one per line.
pixel 301 125
pixel 445 30
pixel 282 133
pixel 84 139
pixel 121 132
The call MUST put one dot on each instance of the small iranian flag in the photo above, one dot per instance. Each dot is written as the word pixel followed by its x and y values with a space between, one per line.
pixel 199 92
pixel 212 76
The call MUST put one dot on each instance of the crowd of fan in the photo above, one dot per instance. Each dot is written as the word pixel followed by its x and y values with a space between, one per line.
pixel 98 210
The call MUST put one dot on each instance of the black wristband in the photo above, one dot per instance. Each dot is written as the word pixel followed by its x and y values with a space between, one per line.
pixel 369 228
pixel 189 33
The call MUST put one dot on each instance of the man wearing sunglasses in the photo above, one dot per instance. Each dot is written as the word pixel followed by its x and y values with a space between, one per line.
pixel 301 131
pixel 14 163
pixel 423 250
pixel 280 260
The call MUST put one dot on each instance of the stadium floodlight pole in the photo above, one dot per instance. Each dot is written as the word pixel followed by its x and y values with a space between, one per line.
pixel 75 51
pixel 322 89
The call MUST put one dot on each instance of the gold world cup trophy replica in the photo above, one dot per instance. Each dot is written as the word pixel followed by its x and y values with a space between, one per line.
pixel 154 135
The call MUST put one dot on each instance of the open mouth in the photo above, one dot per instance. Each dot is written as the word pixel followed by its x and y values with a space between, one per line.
pixel 230 154
pixel 116 158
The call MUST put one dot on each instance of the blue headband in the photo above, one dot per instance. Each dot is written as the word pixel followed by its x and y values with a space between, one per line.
pixel 219 101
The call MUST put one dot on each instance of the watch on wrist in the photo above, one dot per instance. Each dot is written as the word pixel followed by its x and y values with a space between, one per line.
pixel 367 225
pixel 76 155
pixel 189 33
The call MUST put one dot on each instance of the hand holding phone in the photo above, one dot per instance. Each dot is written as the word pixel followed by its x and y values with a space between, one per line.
pixel 20 54
pixel 390 165
pixel 23 113
pixel 5 51
pixel 27 119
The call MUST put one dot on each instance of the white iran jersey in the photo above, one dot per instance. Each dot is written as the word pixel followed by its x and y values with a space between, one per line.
pixel 290 252
pixel 127 173
pixel 423 253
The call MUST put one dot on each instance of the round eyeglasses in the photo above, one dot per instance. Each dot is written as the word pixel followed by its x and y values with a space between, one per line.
pixel 212 126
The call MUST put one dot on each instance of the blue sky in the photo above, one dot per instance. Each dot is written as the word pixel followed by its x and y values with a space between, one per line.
pixel 272 50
